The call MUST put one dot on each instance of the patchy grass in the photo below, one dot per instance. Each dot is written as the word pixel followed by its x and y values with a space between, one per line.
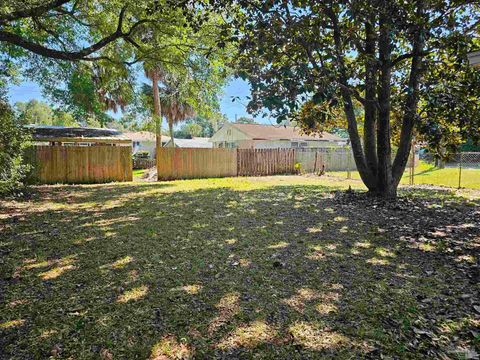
pixel 430 175
pixel 275 267
pixel 138 173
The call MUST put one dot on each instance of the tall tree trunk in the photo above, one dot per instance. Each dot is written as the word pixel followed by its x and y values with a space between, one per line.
pixel 411 101
pixel 170 129
pixel 157 111
pixel 385 184
pixel 357 149
pixel 440 163
pixel 370 120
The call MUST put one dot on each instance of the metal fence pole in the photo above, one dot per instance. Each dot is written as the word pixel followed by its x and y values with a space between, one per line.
pixel 460 171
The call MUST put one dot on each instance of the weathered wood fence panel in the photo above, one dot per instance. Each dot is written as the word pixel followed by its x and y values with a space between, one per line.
pixel 328 159
pixel 310 160
pixel 188 163
pixel 258 162
pixel 191 163
pixel 81 164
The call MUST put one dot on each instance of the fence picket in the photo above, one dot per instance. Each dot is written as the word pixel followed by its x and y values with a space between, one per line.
pixel 258 162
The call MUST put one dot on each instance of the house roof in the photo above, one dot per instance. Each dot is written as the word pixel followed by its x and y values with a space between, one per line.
pixel 144 136
pixel 196 142
pixel 474 58
pixel 65 134
pixel 270 132
pixel 63 131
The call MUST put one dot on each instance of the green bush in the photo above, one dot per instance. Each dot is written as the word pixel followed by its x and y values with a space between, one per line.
pixel 143 154
pixel 14 140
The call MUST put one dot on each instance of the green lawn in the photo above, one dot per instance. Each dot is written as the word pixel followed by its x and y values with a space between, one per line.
pixel 427 174
pixel 272 268
pixel 138 173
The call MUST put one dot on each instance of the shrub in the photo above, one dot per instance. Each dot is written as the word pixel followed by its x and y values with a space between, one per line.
pixel 298 167
pixel 143 154
pixel 14 139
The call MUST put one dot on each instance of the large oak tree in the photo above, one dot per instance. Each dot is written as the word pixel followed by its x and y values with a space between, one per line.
pixel 372 54
pixel 83 52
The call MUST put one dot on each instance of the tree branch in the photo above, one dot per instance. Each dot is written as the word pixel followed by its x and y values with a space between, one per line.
pixel 406 56
pixel 353 92
pixel 355 141
pixel 71 14
pixel 50 32
pixel 82 54
pixel 35 11
pixel 411 102
pixel 371 104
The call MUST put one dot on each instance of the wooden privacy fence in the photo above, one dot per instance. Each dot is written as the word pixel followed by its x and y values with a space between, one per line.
pixel 81 164
pixel 326 159
pixel 258 162
pixel 181 163
pixel 188 163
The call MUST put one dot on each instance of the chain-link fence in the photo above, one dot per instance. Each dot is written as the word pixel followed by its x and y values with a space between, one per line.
pixel 462 171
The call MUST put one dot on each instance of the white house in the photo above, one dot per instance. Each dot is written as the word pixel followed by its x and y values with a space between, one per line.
pixel 257 136
pixel 144 141
pixel 196 142
pixel 474 58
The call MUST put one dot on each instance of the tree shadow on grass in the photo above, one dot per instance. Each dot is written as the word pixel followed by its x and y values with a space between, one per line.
pixel 283 272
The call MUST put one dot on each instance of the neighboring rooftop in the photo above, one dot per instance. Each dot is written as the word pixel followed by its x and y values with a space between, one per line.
pixel 196 142
pixel 52 133
pixel 143 136
pixel 474 58
pixel 63 131
pixel 271 132
pixel 139 135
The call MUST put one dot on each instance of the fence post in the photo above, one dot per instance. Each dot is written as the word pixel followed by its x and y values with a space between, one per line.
pixel 460 171
pixel 238 161
pixel 349 172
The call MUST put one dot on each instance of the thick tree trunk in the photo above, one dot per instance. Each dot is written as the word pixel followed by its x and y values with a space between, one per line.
pixel 439 163
pixel 367 177
pixel 370 120
pixel 385 184
pixel 411 101
pixel 374 160
pixel 157 111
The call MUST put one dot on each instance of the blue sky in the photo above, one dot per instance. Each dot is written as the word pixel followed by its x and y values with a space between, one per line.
pixel 237 87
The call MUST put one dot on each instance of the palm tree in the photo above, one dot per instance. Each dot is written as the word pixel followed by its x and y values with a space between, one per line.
pixel 156 74
pixel 175 109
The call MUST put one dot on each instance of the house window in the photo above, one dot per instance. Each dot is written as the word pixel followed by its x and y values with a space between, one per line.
pixel 299 144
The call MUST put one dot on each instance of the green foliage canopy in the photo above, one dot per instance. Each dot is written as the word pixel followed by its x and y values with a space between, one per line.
pixel 86 54
pixel 386 56
pixel 245 120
